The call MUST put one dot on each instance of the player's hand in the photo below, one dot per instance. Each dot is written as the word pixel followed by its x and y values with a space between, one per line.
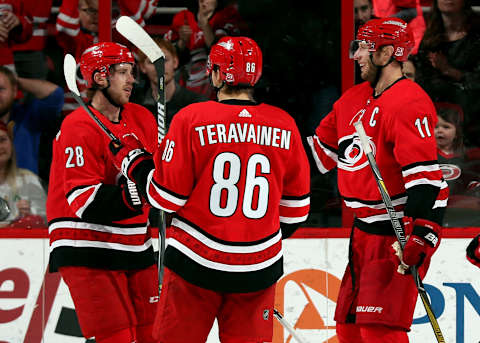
pixel 131 195
pixel 473 251
pixel 129 142
pixel 129 155
pixel 423 241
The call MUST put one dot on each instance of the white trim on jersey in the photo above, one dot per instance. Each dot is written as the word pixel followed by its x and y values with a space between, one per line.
pixel 67 224
pixel 66 18
pixel 420 169
pixel 244 249
pixel 163 194
pixel 222 266
pixel 440 203
pixel 71 198
pixel 359 204
pixel 318 162
pixel 379 217
pixel 96 244
pixel 293 220
pixel 295 203
pixel 424 181
pixel 70 32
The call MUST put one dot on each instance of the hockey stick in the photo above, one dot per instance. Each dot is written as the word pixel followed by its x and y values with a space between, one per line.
pixel 69 71
pixel 397 227
pixel 128 28
pixel 287 326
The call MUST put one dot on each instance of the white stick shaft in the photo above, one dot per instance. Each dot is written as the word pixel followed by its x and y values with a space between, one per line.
pixel 287 326
pixel 363 137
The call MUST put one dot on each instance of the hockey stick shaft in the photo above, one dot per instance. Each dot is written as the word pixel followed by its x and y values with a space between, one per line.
pixel 278 316
pixel 130 29
pixel 399 232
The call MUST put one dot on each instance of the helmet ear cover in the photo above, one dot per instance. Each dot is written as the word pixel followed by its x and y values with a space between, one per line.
pixel 239 60
pixel 387 31
pixel 101 57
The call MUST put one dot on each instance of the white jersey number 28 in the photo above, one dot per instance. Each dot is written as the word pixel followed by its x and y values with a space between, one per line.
pixel 227 170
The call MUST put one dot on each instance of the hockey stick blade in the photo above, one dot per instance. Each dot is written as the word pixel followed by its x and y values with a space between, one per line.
pixel 69 71
pixel 399 232
pixel 129 28
pixel 287 326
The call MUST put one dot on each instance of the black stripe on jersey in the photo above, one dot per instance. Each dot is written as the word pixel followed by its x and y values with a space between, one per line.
pixel 328 147
pixel 108 206
pixel 80 220
pixel 383 227
pixel 100 258
pixel 216 239
pixel 421 199
pixel 293 197
pixel 417 164
pixel 375 202
pixel 176 195
pixel 288 229
pixel 221 281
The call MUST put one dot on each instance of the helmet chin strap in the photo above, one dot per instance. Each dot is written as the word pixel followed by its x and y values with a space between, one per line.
pixel 108 97
pixel 217 89
pixel 379 69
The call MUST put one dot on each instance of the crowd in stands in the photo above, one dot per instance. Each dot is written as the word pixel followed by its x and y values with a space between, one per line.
pixel 301 74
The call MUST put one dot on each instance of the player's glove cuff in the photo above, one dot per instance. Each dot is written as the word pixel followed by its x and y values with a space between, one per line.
pixel 131 196
pixel 132 160
pixel 473 251
pixel 422 243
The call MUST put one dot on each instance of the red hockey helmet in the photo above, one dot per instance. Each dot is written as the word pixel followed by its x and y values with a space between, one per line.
pixel 388 31
pixel 100 57
pixel 239 60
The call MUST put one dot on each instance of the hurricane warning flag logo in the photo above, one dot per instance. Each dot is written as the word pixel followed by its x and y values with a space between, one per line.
pixel 307 298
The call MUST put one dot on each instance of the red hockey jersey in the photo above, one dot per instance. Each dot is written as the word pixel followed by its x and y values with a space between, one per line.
pixel 400 123
pixel 232 172
pixel 89 224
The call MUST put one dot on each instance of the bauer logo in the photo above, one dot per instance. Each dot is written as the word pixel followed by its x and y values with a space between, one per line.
pixel 307 299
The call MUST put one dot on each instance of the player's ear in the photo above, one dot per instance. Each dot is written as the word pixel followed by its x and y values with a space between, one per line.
pixel 100 79
pixel 388 51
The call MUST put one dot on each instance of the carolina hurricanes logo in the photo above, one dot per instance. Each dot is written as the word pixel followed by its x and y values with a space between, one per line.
pixel 450 171
pixel 350 153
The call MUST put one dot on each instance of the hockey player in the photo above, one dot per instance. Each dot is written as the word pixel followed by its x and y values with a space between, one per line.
pixel 375 302
pixel 99 240
pixel 237 177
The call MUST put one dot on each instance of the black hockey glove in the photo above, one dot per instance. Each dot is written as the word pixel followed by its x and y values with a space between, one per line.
pixel 473 251
pixel 130 194
pixel 129 155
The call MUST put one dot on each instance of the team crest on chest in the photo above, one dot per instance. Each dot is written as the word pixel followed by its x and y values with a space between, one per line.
pixel 350 153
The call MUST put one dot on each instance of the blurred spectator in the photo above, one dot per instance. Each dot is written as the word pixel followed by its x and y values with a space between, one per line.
pixel 20 188
pixel 363 12
pixel 448 66
pixel 460 170
pixel 409 69
pixel 31 117
pixel 193 31
pixel 30 59
pixel 77 29
pixel 408 10
pixel 176 95
pixel 15 27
